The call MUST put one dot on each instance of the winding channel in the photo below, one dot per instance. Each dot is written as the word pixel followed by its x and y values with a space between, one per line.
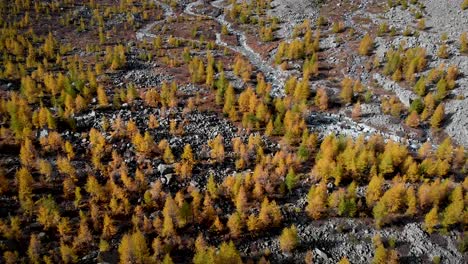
pixel 273 75
pixel 337 124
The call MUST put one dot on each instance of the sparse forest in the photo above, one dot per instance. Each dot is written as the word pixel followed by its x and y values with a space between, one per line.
pixel 229 132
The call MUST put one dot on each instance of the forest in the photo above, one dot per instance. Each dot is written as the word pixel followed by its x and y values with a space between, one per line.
pixel 227 132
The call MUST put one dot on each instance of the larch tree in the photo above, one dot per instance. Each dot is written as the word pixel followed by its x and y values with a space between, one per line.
pixel 228 254
pixel 420 87
pixel 48 212
pixel 102 97
pixel 344 260
pixel 133 248
pixel 157 247
pixel 170 214
pixel 429 106
pixel 317 198
pixel 431 219
pixel 442 52
pixel 118 58
pixel 386 165
pixel 68 148
pixel 347 204
pixel 196 203
pixel 241 201
pixel 445 150
pixel 108 228
pixel 380 213
pixel 67 253
pixel 321 99
pixel 210 75
pixel 235 225
pixel 289 239
pixel 153 122
pixel 25 188
pixel 442 87
pixel 49 46
pixel 29 89
pixel 395 197
pixel 204 255
pixel 411 202
pixel 270 214
pixel 187 155
pixel 464 40
pixel 34 249
pixel 244 99
pixel 229 99
pixel 413 119
pixel 209 213
pixel 27 153
pixel 393 257
pixel 346 93
pixel 302 91
pixel 168 157
pixel 291 179
pixel 252 223
pixel 212 187
pixel 185 167
pixel 380 255
pixel 365 46
pixel 151 98
pixel 264 215
pixel 454 212
pixel 84 236
pixel 217 225
pixel 275 213
pixel 167 259
pixel 438 116
pixel 217 148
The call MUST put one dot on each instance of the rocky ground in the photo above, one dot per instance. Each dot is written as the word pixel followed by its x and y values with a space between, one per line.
pixel 438 19
pixel 329 239
pixel 332 239
pixel 354 236
pixel 441 18
pixel 293 13
pixel 335 238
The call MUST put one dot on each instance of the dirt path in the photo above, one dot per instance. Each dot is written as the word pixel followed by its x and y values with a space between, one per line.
pixel 272 74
